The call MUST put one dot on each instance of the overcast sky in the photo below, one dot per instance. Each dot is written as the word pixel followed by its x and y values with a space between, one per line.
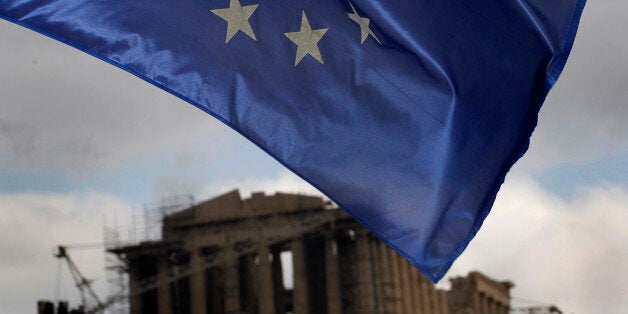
pixel 82 142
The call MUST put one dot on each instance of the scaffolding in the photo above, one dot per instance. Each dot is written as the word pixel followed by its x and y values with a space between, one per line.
pixel 140 226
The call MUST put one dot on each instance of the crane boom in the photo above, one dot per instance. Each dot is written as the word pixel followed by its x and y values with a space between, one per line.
pixel 82 283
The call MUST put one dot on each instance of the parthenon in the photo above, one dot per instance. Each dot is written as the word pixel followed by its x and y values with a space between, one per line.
pixel 230 255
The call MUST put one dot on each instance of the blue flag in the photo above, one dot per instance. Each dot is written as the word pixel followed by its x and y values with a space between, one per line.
pixel 407 113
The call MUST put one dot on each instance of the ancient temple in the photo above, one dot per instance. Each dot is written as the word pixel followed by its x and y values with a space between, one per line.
pixel 229 255
pixel 477 293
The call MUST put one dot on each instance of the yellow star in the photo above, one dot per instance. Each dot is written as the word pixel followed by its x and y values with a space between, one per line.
pixel 364 23
pixel 237 17
pixel 307 40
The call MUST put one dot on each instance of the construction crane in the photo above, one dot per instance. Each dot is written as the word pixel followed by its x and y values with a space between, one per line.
pixel 90 301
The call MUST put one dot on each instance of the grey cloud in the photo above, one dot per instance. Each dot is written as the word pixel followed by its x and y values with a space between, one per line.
pixel 69 113
pixel 30 150
pixel 17 137
pixel 183 179
pixel 585 116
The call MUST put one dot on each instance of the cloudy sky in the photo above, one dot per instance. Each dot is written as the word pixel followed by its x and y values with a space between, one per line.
pixel 82 142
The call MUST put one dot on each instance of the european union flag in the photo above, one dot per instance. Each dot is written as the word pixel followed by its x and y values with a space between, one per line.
pixel 407 113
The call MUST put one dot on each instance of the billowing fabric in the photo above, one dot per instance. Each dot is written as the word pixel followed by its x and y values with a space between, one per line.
pixel 406 113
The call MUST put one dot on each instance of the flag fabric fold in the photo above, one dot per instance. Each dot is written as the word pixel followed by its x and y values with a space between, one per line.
pixel 408 114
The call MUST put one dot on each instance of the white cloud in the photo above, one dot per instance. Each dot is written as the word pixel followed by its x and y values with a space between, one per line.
pixel 568 252
pixel 31 226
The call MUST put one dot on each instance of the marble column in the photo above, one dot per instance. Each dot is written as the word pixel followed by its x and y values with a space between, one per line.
pixel 378 287
pixel 476 302
pixel 265 287
pixel 300 292
pixel 164 298
pixel 388 297
pixel 197 283
pixel 135 298
pixel 484 300
pixel 365 280
pixel 334 299
pixel 434 297
pixel 396 276
pixel 491 306
pixel 232 285
pixel 406 291
pixel 279 290
pixel 444 305
pixel 416 288
pixel 427 290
